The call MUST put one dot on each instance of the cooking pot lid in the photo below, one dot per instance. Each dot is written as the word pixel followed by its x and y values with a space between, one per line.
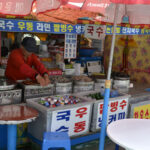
pixel 122 78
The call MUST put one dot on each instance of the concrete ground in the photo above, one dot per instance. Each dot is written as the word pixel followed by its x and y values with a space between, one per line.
pixel 92 145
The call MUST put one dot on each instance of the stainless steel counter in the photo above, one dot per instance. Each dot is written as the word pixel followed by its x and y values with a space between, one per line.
pixel 138 89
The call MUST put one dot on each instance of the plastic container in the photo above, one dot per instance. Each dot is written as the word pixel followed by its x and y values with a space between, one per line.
pixel 86 52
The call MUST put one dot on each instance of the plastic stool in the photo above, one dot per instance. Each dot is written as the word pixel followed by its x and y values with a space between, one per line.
pixel 56 140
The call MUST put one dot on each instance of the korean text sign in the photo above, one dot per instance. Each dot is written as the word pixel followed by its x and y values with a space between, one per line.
pixel 70 46
pixel 127 31
pixel 95 31
pixel 142 112
pixel 11 25
pixel 117 109
pixel 74 120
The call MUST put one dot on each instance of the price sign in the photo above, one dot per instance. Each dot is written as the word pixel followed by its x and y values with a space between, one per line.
pixel 70 46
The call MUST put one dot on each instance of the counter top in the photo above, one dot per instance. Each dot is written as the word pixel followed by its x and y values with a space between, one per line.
pixel 138 89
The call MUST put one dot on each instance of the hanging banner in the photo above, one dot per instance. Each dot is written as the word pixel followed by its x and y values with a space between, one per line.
pixel 95 31
pixel 127 31
pixel 11 25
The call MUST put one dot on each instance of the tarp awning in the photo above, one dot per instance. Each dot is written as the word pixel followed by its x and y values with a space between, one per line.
pixel 64 15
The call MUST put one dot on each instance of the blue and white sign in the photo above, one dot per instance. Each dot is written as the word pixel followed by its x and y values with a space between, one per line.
pixel 75 120
pixel 127 31
pixel 70 46
pixel 11 25
pixel 117 109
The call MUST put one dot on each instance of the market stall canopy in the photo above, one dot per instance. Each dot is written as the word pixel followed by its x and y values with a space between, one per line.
pixel 137 14
pixel 24 7
pixel 64 15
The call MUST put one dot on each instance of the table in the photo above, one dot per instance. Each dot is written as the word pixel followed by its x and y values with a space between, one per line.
pixel 131 134
pixel 11 115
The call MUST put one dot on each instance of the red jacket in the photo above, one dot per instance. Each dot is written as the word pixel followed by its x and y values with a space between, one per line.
pixel 20 69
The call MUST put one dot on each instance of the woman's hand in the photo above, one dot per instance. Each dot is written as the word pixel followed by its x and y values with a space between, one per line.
pixel 41 80
pixel 47 80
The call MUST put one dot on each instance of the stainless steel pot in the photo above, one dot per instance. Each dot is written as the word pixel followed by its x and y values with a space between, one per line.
pixel 64 88
pixel 121 82
pixel 80 86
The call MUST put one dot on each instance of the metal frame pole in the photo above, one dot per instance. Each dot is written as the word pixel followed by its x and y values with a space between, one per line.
pixel 107 85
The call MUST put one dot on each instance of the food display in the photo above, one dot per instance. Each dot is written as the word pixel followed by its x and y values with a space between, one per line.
pixel 62 84
pixel 96 96
pixel 29 82
pixel 82 83
pixel 81 79
pixel 100 95
pixel 55 101
pixel 32 89
pixel 120 74
pixel 59 79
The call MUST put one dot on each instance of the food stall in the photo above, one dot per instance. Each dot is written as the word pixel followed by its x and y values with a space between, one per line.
pixel 20 91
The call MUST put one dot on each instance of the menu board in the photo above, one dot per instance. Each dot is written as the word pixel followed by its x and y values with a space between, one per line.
pixel 70 46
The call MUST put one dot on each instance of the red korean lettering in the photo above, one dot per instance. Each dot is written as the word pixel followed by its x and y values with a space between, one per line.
pixel 147 114
pixel 81 111
pixel 101 109
pixel 123 104
pixel 141 114
pixel 99 31
pixel 90 30
pixel 79 126
pixel 113 106
pixel 136 115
